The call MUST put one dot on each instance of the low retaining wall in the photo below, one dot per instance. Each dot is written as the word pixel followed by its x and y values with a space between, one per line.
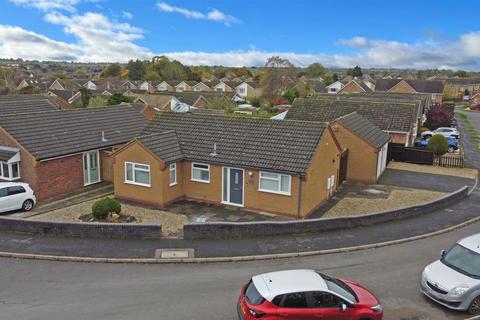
pixel 82 229
pixel 219 230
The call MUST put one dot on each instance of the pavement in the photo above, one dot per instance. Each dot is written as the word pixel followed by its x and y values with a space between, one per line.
pixel 472 158
pixel 34 290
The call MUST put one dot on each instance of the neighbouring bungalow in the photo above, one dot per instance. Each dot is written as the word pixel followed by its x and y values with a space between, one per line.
pixel 185 86
pixel 283 167
pixel 335 87
pixel 167 86
pixel 248 90
pixel 65 98
pixel 25 103
pixel 201 86
pixel 58 152
pixel 355 86
pixel 366 146
pixel 225 86
pixel 398 119
pixel 432 87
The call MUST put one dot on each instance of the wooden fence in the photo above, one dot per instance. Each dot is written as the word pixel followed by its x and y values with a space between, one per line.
pixel 450 160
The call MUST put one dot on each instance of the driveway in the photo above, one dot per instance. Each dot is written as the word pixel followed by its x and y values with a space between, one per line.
pixel 420 180
pixel 472 158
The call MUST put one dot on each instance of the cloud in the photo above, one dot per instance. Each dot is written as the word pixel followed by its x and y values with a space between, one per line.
pixel 354 42
pixel 213 15
pixel 127 15
pixel 47 5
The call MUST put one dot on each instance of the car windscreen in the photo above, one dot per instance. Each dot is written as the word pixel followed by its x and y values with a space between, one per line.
pixel 340 288
pixel 253 296
pixel 463 260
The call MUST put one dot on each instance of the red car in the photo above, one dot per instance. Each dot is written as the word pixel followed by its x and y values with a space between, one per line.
pixel 306 294
pixel 475 107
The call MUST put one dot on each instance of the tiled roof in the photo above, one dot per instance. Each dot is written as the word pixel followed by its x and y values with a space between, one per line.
pixel 13 104
pixel 164 145
pixel 423 86
pixel 463 81
pixel 52 134
pixel 282 146
pixel 64 94
pixel 365 129
pixel 6 155
pixel 388 116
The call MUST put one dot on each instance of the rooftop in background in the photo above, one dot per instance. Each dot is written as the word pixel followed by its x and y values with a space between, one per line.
pixel 57 133
pixel 365 129
pixel 24 103
pixel 264 144
pixel 387 115
pixel 420 86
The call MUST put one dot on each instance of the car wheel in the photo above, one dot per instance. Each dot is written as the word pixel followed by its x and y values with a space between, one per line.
pixel 474 307
pixel 27 205
pixel 427 136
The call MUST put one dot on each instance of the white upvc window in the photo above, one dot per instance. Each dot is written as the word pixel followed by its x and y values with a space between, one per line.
pixel 137 173
pixel 200 172
pixel 275 183
pixel 9 171
pixel 173 174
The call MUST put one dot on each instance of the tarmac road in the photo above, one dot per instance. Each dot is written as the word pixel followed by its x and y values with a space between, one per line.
pixel 58 290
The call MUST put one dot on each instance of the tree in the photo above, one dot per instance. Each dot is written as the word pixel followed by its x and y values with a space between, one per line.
pixel 438 116
pixel 30 89
pixel 290 95
pixel 438 144
pixel 80 74
pixel 85 96
pixel 221 102
pixel 315 70
pixel 136 70
pixel 152 76
pixel 328 79
pixel 118 98
pixel 278 74
pixel 461 73
pixel 256 102
pixel 112 70
pixel 335 77
pixel 357 72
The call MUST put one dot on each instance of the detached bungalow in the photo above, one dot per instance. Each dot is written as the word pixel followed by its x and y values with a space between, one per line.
pixel 355 86
pixel 57 152
pixel 434 88
pixel 282 167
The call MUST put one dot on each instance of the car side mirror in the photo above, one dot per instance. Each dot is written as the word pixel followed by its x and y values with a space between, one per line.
pixel 442 253
pixel 343 307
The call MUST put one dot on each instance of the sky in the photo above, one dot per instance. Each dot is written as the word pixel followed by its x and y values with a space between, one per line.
pixel 416 34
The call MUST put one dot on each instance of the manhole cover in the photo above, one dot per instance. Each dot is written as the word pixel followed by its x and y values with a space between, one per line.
pixel 174 253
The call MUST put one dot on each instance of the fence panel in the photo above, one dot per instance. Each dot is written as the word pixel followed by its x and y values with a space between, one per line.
pixel 450 160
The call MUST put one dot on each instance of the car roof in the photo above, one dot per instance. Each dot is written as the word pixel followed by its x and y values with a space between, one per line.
pixel 13 184
pixel 272 284
pixel 471 243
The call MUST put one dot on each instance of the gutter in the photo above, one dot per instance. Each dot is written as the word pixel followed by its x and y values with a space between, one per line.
pixel 299 205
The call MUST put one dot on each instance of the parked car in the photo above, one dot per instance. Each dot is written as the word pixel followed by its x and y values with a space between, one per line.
pixel 475 107
pixel 306 294
pixel 444 131
pixel 452 144
pixel 16 196
pixel 454 280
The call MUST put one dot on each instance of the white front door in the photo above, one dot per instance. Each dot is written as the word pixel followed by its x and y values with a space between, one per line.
pixel 91 167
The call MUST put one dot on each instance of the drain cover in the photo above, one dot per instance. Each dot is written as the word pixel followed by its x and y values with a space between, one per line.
pixel 174 253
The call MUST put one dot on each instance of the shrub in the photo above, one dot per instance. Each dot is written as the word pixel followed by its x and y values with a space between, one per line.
pixel 438 116
pixel 101 208
pixel 438 144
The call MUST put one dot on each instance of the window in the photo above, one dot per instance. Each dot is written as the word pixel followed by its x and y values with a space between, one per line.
pixel 9 171
pixel 15 190
pixel 274 182
pixel 136 173
pixel 3 192
pixel 324 300
pixel 241 90
pixel 295 300
pixel 333 89
pixel 173 174
pixel 201 172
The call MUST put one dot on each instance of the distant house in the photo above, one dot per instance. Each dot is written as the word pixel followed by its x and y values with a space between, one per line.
pixel 284 167
pixel 65 97
pixel 248 90
pixel 58 152
pixel 335 87
pixel 167 85
pixel 224 86
pixel 128 85
pixel 355 86
pixel 201 86
pixel 185 86
pixel 432 87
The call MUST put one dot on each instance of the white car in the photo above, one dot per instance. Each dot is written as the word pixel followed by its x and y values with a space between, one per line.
pixel 16 196
pixel 454 280
pixel 447 132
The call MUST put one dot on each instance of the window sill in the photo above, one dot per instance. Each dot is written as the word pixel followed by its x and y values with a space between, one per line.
pixel 10 179
pixel 172 184
pixel 201 181
pixel 276 192
pixel 138 184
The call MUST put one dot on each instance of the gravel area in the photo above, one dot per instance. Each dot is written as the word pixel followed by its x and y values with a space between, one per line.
pixel 172 223
pixel 459 172
pixel 397 198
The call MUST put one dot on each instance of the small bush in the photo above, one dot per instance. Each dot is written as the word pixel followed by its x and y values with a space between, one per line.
pixel 101 208
pixel 438 144
pixel 422 130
